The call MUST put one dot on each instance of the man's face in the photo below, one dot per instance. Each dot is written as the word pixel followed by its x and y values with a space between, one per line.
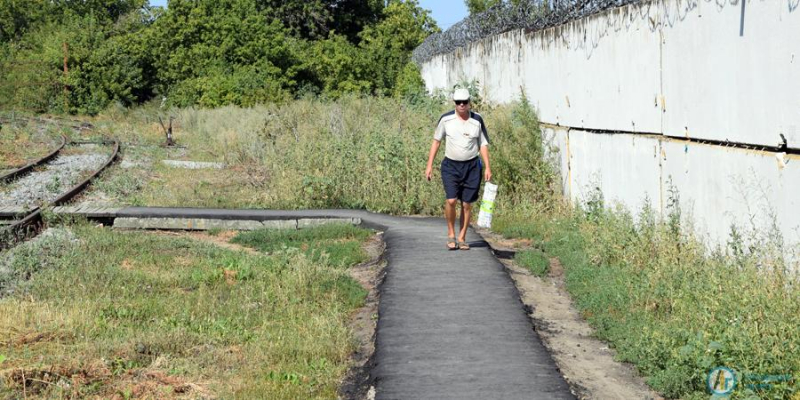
pixel 462 105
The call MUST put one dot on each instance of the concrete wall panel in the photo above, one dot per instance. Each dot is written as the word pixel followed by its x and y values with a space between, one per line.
pixel 624 167
pixel 557 153
pixel 683 68
pixel 728 76
pixel 581 74
pixel 722 187
pixel 717 187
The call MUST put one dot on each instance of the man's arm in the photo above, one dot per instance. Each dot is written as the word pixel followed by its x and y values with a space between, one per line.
pixel 483 142
pixel 431 155
pixel 488 170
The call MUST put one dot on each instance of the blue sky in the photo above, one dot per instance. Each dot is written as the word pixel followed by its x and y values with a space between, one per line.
pixel 445 12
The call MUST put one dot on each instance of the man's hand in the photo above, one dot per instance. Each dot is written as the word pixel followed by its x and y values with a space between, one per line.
pixel 428 172
pixel 487 172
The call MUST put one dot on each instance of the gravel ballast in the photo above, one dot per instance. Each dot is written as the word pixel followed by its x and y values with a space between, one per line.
pixel 55 178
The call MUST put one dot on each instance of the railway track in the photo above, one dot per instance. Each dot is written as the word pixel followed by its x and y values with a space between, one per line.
pixel 19 223
pixel 17 173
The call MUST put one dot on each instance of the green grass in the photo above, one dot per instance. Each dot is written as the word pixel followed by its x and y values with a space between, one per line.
pixel 23 142
pixel 535 261
pixel 338 244
pixel 131 313
pixel 670 307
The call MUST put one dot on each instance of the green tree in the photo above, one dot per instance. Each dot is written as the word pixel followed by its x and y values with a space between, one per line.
pixel 337 67
pixel 409 83
pixel 479 6
pixel 389 43
pixel 103 11
pixel 317 19
pixel 213 51
pixel 19 16
pixel 206 52
pixel 105 63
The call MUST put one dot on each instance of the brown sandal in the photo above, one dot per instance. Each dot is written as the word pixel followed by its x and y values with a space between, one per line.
pixel 463 245
pixel 453 242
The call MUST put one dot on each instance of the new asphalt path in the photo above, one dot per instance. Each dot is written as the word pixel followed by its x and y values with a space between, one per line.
pixel 451 324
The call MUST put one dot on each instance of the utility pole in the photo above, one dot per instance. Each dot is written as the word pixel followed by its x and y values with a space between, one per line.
pixel 66 76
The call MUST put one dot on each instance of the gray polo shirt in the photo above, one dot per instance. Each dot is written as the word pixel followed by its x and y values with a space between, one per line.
pixel 464 138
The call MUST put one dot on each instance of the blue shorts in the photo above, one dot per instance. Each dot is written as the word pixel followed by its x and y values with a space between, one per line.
pixel 462 179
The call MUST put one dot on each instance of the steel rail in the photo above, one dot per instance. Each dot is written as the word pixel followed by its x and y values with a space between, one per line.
pixel 30 224
pixel 27 168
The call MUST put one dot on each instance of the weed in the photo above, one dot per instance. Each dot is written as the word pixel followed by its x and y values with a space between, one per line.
pixel 535 261
pixel 54 185
pixel 23 261
pixel 121 183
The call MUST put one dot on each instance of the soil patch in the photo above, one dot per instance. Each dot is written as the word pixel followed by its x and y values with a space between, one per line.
pixel 363 322
pixel 586 362
pixel 71 381
pixel 221 239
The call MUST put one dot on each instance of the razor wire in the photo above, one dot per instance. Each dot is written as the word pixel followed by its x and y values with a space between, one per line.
pixel 530 15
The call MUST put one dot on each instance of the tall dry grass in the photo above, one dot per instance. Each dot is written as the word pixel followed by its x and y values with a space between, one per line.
pixel 355 152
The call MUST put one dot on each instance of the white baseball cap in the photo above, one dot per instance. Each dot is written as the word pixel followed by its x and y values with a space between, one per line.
pixel 461 94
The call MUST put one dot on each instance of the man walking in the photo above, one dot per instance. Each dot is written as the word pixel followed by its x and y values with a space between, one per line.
pixel 466 137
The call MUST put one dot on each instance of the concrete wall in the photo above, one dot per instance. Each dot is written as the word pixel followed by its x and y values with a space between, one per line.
pixel 682 68
pixel 717 187
pixel 654 71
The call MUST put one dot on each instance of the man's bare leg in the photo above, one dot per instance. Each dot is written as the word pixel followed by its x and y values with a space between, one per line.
pixel 466 214
pixel 450 216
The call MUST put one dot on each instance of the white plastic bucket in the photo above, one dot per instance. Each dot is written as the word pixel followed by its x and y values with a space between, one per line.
pixel 487 205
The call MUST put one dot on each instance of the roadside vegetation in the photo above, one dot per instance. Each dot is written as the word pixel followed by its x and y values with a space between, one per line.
pixel 669 306
pixel 354 152
pixel 112 314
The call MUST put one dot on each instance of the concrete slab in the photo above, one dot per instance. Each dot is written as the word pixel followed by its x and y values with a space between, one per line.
pixel 193 164
pixel 87 212
pixel 201 224
pixel 312 222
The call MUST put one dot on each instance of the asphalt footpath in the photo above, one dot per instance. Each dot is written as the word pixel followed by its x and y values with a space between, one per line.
pixel 451 324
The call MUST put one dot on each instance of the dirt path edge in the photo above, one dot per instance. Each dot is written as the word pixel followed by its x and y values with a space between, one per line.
pixel 358 383
pixel 586 362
